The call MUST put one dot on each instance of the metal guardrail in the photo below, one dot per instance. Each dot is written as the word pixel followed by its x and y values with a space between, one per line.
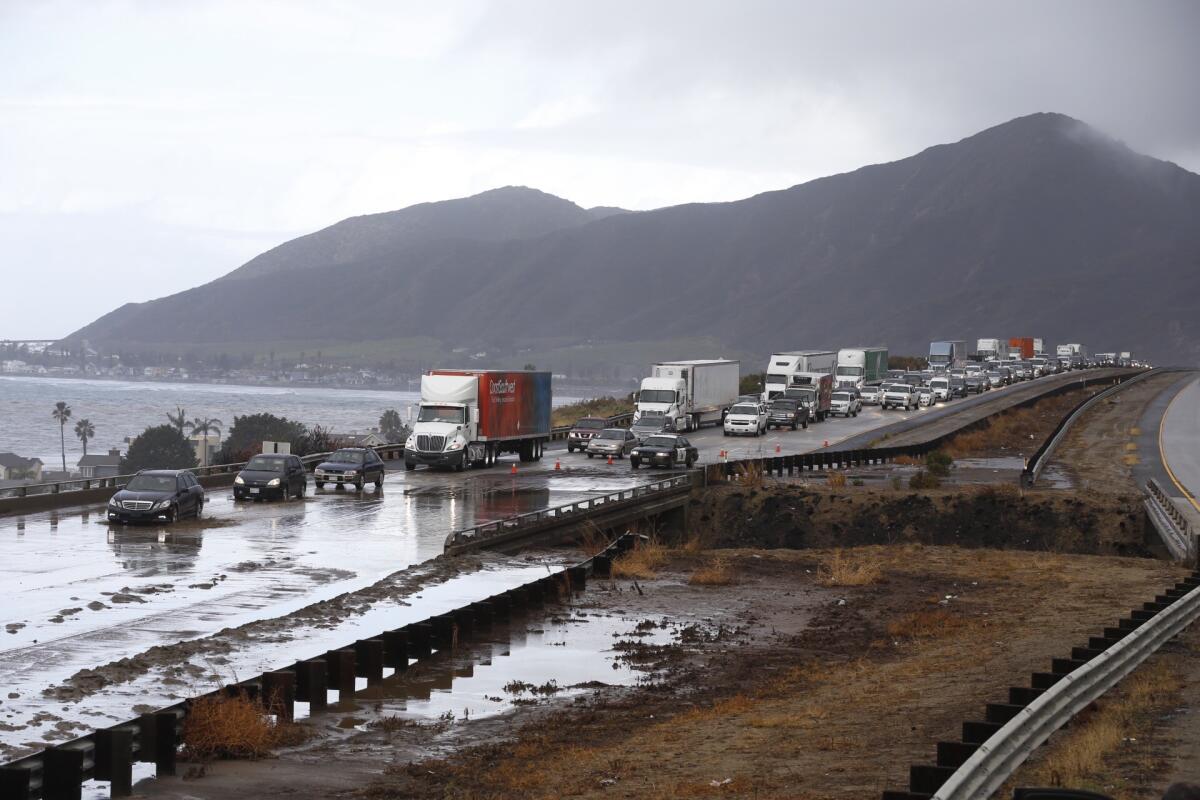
pixel 1170 522
pixel 999 757
pixel 155 737
pixel 489 530
pixel 1033 469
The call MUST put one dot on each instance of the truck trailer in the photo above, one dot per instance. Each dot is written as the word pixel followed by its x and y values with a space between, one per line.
pixel 1022 347
pixel 467 418
pixel 783 366
pixel 690 393
pixel 991 349
pixel 861 366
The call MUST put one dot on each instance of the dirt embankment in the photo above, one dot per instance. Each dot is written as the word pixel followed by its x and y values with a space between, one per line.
pixel 776 515
pixel 1018 431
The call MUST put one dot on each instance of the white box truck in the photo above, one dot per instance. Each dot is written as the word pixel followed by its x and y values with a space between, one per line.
pixel 690 393
pixel 992 349
pixel 861 366
pixel 783 366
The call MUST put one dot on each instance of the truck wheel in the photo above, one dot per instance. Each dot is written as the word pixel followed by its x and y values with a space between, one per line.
pixel 633 463
pixel 570 448
pixel 590 455
pixel 409 466
pixel 805 424
pixel 793 426
pixel 321 484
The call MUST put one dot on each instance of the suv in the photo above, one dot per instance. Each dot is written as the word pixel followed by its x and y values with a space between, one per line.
pixel 787 411
pixel 270 475
pixel 154 494
pixel 899 395
pixel 582 431
pixel 746 418
pixel 845 403
pixel 871 395
pixel 351 466
pixel 664 450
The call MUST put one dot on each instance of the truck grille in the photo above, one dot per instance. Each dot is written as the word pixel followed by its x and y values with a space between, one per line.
pixel 431 444
pixel 136 505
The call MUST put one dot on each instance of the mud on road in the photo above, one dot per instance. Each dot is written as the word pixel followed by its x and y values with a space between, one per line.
pixel 776 684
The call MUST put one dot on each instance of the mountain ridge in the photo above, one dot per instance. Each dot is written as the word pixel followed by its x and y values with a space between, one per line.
pixel 1038 226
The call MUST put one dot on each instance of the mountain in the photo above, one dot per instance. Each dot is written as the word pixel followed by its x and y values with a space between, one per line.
pixel 1041 226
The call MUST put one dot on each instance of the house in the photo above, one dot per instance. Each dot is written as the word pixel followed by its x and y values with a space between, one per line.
pixel 13 467
pixel 205 447
pixel 372 439
pixel 100 466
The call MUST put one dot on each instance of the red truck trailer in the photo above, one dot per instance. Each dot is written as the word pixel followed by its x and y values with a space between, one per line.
pixel 1021 347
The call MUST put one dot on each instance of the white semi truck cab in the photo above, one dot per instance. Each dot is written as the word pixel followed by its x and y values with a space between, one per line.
pixel 689 393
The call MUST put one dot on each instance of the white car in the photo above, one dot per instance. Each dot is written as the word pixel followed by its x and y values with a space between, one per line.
pixel 845 404
pixel 899 395
pixel 746 419
pixel 925 396
pixel 871 395
pixel 941 389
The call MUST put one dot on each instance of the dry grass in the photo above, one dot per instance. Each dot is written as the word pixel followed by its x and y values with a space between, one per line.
pixel 221 727
pixel 750 475
pixel 1086 749
pixel 837 480
pixel 841 569
pixel 591 539
pixel 715 573
pixel 599 407
pixel 642 562
pixel 930 624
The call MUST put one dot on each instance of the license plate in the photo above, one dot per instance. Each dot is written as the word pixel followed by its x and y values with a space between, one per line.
pixel 254 491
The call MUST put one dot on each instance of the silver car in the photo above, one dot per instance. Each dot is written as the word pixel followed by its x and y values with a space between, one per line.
pixel 615 442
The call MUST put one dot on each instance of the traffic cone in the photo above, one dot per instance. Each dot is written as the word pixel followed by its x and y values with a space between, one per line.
pixel 826 443
pixel 778 449
pixel 610 461
pixel 557 465
pixel 513 471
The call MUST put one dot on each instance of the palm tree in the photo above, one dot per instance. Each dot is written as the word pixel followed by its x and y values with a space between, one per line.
pixel 178 419
pixel 202 427
pixel 62 413
pixel 85 430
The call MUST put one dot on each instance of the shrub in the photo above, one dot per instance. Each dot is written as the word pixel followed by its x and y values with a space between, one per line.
pixel 840 570
pixel 716 573
pixel 836 480
pixel 226 727
pixel 923 480
pixel 643 561
pixel 896 482
pixel 938 463
pixel 159 447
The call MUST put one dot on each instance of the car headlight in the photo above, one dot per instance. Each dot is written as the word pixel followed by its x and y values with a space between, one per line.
pixel 350 472
pixel 238 480
pixel 160 504
pixel 273 482
pixel 113 502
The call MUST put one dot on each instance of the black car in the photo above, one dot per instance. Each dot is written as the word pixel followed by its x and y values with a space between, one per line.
pixel 351 466
pixel 582 432
pixel 664 450
pixel 786 411
pixel 155 494
pixel 271 475
pixel 650 425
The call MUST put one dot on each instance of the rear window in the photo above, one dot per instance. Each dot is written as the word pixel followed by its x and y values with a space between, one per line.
pixel 611 433
pixel 841 395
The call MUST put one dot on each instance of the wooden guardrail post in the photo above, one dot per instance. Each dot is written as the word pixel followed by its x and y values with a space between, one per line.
pixel 114 759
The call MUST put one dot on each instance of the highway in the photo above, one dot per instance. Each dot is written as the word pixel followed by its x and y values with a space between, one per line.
pixel 82 593
pixel 1179 442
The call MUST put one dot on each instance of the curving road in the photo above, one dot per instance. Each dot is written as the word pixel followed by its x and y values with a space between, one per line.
pixel 1179 443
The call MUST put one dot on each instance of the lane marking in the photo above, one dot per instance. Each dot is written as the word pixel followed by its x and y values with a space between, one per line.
pixel 1163 453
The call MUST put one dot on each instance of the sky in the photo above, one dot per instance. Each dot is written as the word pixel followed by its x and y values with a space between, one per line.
pixel 148 147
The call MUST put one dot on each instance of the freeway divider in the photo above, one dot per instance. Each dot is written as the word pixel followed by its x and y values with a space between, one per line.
pixel 58 772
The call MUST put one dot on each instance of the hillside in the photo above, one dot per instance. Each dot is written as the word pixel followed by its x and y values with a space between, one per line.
pixel 1040 226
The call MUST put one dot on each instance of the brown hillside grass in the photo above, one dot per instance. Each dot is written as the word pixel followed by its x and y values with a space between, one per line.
pixel 598 407
pixel 841 569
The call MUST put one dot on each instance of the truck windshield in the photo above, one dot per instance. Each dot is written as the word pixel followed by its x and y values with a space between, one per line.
pixel 783 405
pixel 773 377
pixel 657 396
pixel 853 372
pixel 455 415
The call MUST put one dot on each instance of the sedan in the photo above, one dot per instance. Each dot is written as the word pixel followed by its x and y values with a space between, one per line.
pixel 351 466
pixel 665 450
pixel 613 442
pixel 270 475
pixel 155 494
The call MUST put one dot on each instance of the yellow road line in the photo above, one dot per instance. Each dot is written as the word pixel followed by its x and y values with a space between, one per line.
pixel 1163 454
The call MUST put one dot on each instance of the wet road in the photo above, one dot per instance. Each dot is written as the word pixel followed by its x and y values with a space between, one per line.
pixel 81 593
pixel 1180 443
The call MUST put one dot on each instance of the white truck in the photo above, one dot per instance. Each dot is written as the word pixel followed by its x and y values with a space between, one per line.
pixel 690 393
pixel 947 354
pixel 992 349
pixel 858 367
pixel 1072 356
pixel 782 368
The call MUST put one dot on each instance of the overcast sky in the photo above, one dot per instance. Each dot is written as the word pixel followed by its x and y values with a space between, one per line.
pixel 147 147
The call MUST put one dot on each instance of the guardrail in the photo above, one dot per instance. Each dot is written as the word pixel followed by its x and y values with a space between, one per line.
pixel 1170 522
pixel 1035 465
pixel 996 759
pixel 480 535
pixel 109 754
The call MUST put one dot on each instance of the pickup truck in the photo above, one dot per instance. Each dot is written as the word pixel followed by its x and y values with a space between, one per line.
pixel 787 412
pixel 899 395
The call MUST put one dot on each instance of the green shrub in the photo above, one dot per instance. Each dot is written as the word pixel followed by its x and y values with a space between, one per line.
pixel 938 463
pixel 923 480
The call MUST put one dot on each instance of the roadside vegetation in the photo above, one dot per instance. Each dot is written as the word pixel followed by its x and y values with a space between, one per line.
pixel 597 407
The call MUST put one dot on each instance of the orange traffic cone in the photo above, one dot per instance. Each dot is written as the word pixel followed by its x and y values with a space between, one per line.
pixel 778 449
pixel 513 471
pixel 557 464
pixel 610 461
pixel 826 443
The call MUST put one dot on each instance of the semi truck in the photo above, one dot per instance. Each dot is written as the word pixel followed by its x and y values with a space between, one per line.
pixel 467 418
pixel 814 390
pixel 861 366
pixel 690 393
pixel 783 366
pixel 947 354
pixel 1022 347
pixel 1038 347
pixel 1072 355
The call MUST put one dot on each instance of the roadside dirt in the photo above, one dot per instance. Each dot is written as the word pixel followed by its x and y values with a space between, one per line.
pixel 1001 516
pixel 776 685
pixel 1099 451
pixel 1018 431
